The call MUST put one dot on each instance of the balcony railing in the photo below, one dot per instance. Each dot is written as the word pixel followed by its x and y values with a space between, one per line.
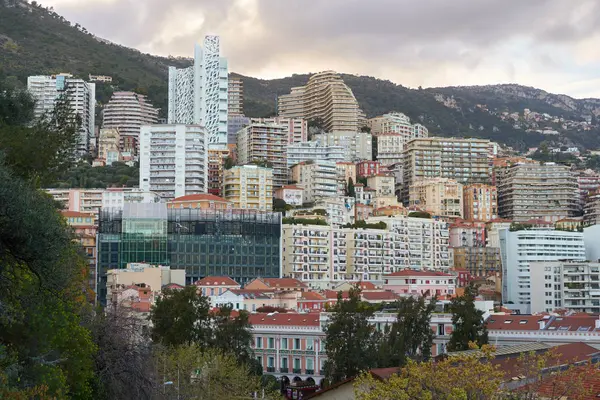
pixel 283 370
pixel 270 369
pixel 310 372
pixel 297 371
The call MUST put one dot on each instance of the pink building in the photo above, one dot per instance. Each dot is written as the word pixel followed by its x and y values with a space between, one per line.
pixel 467 234
pixel 216 285
pixel 368 168
pixel 422 283
pixel 311 301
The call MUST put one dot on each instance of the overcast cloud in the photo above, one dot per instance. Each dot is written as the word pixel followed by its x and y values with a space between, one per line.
pixel 550 44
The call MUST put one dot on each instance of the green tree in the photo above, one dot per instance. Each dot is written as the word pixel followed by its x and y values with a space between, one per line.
pixel 233 334
pixel 279 205
pixel 350 188
pixel 469 326
pixel 228 163
pixel 410 335
pixel 419 214
pixel 44 149
pixel 181 316
pixel 207 374
pixel 351 340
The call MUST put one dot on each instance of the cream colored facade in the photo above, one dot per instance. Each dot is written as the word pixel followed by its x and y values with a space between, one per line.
pixel 216 163
pixel 235 96
pixel 109 141
pixel 318 178
pixel 295 128
pixel 249 187
pixel 327 97
pixel 465 160
pixel 265 142
pixel 137 273
pixel 480 202
pixel 345 171
pixel 357 145
pixel 399 123
pixel 324 256
pixel 389 148
pixel 440 196
pixel 384 185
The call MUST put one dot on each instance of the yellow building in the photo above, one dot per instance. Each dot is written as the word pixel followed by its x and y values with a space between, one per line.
pixel 109 141
pixel 480 202
pixel 439 196
pixel 249 187
pixel 478 261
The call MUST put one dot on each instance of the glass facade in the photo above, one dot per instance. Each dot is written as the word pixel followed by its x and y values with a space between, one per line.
pixel 241 244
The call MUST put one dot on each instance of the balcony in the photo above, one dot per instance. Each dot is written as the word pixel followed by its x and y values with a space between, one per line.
pixel 310 372
pixel 270 369
pixel 297 371
pixel 283 370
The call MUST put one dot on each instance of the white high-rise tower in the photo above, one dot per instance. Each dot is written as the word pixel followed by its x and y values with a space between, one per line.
pixel 198 94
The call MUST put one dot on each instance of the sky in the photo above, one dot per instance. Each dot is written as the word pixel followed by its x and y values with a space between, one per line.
pixel 549 44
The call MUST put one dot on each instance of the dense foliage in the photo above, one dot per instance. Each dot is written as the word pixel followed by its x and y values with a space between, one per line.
pixel 85 176
pixel 469 326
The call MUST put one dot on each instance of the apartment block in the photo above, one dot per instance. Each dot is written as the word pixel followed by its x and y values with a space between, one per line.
pixel 216 165
pixel 420 283
pixel 234 124
pixel 267 142
pixel 307 151
pixel 368 168
pixel 384 185
pixel 81 95
pixel 467 234
pixel 323 255
pixel 464 160
pixel 345 172
pixel 85 228
pixel 389 148
pixel 326 97
pixel 493 228
pixel 591 210
pixel 291 194
pixel 480 202
pixel 198 94
pixel 357 145
pixel 396 123
pixel 478 261
pixel 521 248
pixel 128 112
pixel 441 197
pixel 249 187
pixel 588 182
pixel 569 285
pixel 173 160
pixel 235 96
pixel 109 146
pixel 296 129
pixel 318 179
pixel 200 201
pixel 537 191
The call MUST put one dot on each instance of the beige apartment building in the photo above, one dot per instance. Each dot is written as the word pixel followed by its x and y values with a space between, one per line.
pixel 267 142
pixel 318 178
pixel 441 197
pixel 295 128
pixel 464 160
pixel 480 202
pixel 235 96
pixel 216 163
pixel 249 187
pixel 537 191
pixel 345 171
pixel 478 261
pixel 395 122
pixel 109 140
pixel 327 97
pixel 128 112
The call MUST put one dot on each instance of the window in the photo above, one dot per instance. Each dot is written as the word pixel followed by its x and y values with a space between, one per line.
pixel 310 364
pixel 441 330
pixel 259 342
pixel 259 360
pixel 296 344
pixel 271 343
pixel 284 344
pixel 284 362
pixel 271 362
pixel 212 291
pixel 297 363
pixel 310 344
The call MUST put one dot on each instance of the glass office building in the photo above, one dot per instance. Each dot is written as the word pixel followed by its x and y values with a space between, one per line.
pixel 241 244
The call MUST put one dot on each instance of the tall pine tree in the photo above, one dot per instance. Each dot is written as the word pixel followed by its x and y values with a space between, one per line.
pixel 468 322
pixel 351 341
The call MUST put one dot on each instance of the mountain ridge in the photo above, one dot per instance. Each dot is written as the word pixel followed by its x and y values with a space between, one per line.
pixel 36 40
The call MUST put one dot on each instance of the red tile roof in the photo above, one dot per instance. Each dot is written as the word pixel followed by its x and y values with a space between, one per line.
pixel 586 376
pixel 216 281
pixel 367 286
pixel 199 197
pixel 514 322
pixel 283 283
pixel 332 294
pixel 381 295
pixel 173 286
pixel 384 373
pixel 412 272
pixel 68 214
pixel 311 296
pixel 285 319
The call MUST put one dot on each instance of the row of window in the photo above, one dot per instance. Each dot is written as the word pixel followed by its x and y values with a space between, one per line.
pixel 284 343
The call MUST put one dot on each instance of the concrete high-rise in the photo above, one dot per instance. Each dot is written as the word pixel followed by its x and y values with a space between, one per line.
pixel 393 131
pixel 532 191
pixel 173 160
pixel 480 202
pixel 249 187
pixel 441 197
pixel 198 94
pixel 357 146
pixel 465 160
pixel 265 143
pixel 46 89
pixel 296 128
pixel 325 97
pixel 128 112
pixel 235 96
